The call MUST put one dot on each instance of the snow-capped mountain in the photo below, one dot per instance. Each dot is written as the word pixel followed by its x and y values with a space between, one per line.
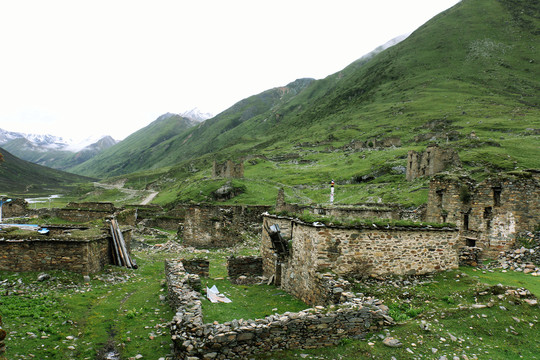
pixel 53 151
pixel 196 115
pixel 48 142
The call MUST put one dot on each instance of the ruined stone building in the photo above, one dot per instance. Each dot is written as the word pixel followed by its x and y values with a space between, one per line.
pixel 228 170
pixel 490 214
pixel 431 161
pixel 312 257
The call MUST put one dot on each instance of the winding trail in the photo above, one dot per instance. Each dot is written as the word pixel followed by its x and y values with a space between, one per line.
pixel 131 193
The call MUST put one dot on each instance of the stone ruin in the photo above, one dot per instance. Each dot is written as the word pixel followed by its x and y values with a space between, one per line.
pixel 78 249
pixel 489 214
pixel 228 170
pixel 313 259
pixel 238 339
pixel 431 161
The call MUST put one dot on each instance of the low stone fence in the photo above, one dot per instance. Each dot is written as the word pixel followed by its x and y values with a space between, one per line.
pixel 238 339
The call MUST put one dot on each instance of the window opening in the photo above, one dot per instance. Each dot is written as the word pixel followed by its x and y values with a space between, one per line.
pixel 497 196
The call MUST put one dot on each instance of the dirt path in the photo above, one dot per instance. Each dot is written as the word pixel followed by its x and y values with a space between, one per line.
pixel 149 198
pixel 131 193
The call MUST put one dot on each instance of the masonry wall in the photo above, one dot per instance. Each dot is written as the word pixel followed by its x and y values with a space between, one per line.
pixel 489 214
pixel 240 339
pixel 357 250
pixel 363 211
pixel 209 226
pixel 43 253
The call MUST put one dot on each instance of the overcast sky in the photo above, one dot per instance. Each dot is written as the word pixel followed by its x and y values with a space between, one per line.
pixel 110 67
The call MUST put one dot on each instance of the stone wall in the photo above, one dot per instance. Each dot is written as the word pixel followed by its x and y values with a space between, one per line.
pixel 363 211
pixel 33 252
pixel 14 208
pixel 490 213
pixel 199 267
pixel 354 251
pixel 244 269
pixel 85 212
pixel 228 170
pixel 430 162
pixel 210 226
pixel 239 339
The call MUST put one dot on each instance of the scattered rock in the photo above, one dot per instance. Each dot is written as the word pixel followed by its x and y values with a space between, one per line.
pixel 392 342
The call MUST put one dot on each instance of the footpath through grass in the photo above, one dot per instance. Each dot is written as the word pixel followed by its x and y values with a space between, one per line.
pixel 64 317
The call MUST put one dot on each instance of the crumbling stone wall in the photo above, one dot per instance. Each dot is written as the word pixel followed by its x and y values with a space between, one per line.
pixel 247 267
pixel 199 267
pixel 364 211
pixel 430 162
pixel 42 253
pixel 210 226
pixel 239 339
pixel 87 211
pixel 14 208
pixel 349 251
pixel 489 214
pixel 228 170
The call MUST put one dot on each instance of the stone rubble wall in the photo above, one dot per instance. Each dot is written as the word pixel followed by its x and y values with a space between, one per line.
pixel 239 339
pixel 430 162
pixel 228 170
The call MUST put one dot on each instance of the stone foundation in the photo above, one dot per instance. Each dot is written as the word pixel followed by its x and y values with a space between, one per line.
pixel 200 267
pixel 239 339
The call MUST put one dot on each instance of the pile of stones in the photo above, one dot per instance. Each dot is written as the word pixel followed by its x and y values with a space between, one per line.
pixel 523 259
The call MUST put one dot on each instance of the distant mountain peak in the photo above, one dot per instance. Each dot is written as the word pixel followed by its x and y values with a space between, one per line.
pixel 196 115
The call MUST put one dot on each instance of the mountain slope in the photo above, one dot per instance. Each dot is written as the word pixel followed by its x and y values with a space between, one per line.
pixel 18 177
pixel 168 140
pixel 143 149
pixel 468 79
pixel 52 151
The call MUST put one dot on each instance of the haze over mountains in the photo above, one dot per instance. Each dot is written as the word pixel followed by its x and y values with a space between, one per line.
pixel 468 79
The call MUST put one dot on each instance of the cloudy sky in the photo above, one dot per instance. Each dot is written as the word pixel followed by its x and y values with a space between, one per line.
pixel 110 67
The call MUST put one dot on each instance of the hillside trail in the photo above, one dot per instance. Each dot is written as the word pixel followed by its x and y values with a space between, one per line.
pixel 131 193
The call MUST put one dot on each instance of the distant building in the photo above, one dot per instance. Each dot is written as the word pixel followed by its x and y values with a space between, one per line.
pixel 430 162
pixel 228 170
pixel 490 214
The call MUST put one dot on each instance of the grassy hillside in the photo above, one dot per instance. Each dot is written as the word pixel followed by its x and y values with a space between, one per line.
pixel 467 79
pixel 144 149
pixel 20 177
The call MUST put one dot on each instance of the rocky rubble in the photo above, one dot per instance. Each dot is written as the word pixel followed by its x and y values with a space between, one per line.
pixel 523 259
